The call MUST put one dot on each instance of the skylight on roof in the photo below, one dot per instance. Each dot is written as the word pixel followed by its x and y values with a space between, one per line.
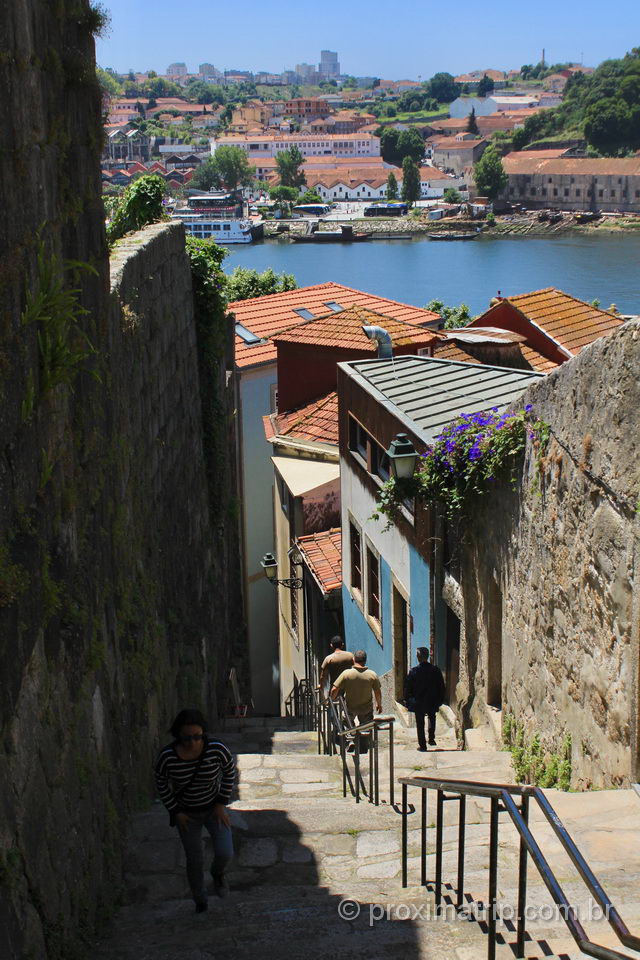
pixel 304 313
pixel 333 306
pixel 246 335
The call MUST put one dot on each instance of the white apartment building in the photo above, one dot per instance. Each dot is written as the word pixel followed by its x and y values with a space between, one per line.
pixel 309 144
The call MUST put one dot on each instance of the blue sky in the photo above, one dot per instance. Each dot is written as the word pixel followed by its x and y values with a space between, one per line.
pixel 392 41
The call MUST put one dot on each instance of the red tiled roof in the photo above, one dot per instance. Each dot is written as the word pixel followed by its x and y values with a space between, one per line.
pixel 344 329
pixel 322 553
pixel 316 421
pixel 449 349
pixel 518 162
pixel 275 313
pixel 570 322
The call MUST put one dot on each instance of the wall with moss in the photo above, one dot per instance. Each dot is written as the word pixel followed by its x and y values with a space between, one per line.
pixel 549 574
pixel 117 565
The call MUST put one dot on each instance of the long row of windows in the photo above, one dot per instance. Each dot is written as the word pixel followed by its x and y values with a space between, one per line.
pixel 533 191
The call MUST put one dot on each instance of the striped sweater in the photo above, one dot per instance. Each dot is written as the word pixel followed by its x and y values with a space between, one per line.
pixel 213 782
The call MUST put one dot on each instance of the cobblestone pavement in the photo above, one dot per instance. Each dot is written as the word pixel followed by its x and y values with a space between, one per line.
pixel 317 875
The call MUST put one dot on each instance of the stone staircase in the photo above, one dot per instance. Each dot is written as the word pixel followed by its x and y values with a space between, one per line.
pixel 317 875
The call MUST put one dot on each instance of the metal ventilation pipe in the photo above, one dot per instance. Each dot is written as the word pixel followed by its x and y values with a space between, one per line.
pixel 380 335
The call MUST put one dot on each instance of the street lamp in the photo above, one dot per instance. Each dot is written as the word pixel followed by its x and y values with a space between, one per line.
pixel 402 457
pixel 269 565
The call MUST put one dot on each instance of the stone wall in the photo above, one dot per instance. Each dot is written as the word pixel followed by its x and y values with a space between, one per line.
pixel 553 567
pixel 118 559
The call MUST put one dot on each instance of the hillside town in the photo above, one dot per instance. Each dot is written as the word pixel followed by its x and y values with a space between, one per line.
pixel 320 500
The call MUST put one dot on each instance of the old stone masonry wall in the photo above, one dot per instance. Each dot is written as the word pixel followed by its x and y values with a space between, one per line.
pixel 554 566
pixel 112 589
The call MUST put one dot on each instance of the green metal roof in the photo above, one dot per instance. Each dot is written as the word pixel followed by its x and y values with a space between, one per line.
pixel 426 394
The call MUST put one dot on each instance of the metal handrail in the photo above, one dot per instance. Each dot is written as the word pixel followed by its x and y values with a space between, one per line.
pixel 375 725
pixel 501 796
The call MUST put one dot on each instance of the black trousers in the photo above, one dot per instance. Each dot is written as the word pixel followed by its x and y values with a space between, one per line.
pixel 420 717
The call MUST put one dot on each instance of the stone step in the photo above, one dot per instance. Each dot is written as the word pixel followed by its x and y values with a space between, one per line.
pixel 479 738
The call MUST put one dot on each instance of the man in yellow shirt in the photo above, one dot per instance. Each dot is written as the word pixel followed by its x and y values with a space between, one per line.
pixel 359 685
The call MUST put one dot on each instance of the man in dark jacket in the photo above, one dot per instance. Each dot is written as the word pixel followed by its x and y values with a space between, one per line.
pixel 424 694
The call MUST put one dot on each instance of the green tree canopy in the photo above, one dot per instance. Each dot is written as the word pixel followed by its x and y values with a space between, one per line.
pixel 443 88
pixel 243 283
pixel 392 187
pixel 227 169
pixel 485 86
pixel 451 196
pixel 411 144
pixel 410 181
pixel 284 197
pixel 607 125
pixel 140 204
pixel 289 164
pixel 453 317
pixel 489 174
pixel 472 123
pixel 310 196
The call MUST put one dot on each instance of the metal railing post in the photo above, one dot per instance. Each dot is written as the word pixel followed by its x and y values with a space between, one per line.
pixel 423 840
pixel 376 758
pixel 371 784
pixel 356 761
pixel 522 880
pixel 439 825
pixel 405 814
pixel 462 813
pixel 493 878
pixel 391 766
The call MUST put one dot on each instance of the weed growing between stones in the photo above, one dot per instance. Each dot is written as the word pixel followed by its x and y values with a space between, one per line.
pixel 531 763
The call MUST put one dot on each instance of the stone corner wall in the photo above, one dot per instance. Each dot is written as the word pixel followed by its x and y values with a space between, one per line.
pixel 554 567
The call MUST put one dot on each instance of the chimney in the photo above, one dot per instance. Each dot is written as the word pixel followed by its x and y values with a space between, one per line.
pixel 380 335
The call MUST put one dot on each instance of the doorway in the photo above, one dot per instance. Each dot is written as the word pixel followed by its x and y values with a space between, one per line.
pixel 400 618
pixel 452 666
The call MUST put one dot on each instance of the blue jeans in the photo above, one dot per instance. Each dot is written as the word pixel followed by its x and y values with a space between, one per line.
pixel 191 837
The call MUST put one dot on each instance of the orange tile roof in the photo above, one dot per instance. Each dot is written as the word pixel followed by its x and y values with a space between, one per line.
pixel 537 361
pixel 344 329
pixel 449 349
pixel 323 555
pixel 270 315
pixel 582 166
pixel 316 421
pixel 570 322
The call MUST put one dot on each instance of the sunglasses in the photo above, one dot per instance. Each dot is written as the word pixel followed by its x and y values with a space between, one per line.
pixel 191 736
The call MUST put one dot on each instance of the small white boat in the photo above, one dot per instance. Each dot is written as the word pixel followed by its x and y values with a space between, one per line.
pixel 206 227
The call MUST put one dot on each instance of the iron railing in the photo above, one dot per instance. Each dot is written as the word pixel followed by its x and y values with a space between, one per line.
pixel 336 730
pixel 371 731
pixel 301 704
pixel 502 800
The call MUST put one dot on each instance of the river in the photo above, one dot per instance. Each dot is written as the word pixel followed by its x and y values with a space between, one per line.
pixel 417 271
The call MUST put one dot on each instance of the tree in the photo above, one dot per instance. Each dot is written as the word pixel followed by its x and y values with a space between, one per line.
pixel 284 197
pixel 389 145
pixel 392 187
pixel 289 163
pixel 350 84
pixel 410 144
pixel 140 204
pixel 519 138
pixel 453 317
pixel 451 195
pixel 410 181
pixel 310 196
pixel 108 82
pixel 607 125
pixel 472 123
pixel 227 169
pixel 243 284
pixel 485 86
pixel 443 87
pixel 489 174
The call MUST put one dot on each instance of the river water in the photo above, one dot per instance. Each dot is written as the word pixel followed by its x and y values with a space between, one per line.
pixel 417 271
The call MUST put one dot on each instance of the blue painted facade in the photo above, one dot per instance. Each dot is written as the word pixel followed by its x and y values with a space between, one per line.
pixel 360 636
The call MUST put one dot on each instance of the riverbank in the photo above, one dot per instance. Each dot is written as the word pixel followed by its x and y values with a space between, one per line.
pixel 524 224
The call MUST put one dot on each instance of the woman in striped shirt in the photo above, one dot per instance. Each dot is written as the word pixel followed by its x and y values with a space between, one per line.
pixel 194 777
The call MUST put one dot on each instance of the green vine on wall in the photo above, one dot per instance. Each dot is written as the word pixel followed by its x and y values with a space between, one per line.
pixel 467 459
pixel 54 309
pixel 140 205
pixel 531 763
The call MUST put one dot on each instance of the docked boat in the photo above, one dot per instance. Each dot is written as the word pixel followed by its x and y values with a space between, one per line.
pixel 345 234
pixel 452 236
pixel 206 227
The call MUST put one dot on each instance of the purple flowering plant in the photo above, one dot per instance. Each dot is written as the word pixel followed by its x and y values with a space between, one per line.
pixel 467 458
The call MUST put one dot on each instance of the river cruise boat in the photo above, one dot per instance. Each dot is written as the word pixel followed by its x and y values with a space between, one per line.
pixel 217 216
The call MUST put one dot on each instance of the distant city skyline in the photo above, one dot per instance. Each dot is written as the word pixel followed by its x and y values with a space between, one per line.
pixel 145 35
